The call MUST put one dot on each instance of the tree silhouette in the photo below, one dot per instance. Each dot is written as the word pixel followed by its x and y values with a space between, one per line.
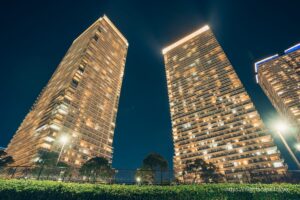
pixel 48 166
pixel 47 158
pixel 145 174
pixel 97 167
pixel 194 168
pixel 156 162
pixel 5 159
pixel 206 171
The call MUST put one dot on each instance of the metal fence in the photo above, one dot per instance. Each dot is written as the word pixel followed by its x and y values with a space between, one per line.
pixel 119 176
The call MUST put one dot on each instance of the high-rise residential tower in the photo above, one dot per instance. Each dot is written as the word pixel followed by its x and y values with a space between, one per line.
pixel 279 77
pixel 79 102
pixel 213 117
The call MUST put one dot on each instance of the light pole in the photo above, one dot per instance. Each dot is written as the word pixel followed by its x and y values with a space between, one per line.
pixel 138 180
pixel 64 139
pixel 281 127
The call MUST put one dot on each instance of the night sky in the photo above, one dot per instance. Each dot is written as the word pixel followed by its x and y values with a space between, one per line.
pixel 35 36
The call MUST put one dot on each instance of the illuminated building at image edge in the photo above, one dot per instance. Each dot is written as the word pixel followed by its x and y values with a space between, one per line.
pixel 213 117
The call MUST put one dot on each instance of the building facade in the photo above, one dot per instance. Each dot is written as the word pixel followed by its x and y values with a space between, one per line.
pixel 79 102
pixel 213 117
pixel 279 78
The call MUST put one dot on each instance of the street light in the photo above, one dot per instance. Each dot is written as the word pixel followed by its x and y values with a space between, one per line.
pixel 138 180
pixel 63 140
pixel 280 128
pixel 297 147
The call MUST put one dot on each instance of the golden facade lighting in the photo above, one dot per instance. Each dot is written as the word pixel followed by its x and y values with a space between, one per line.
pixel 279 77
pixel 213 117
pixel 80 100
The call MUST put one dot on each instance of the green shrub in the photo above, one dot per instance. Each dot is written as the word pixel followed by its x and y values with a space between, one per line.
pixel 37 190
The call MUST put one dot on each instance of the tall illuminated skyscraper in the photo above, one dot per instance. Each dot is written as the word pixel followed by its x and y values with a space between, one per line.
pixel 213 117
pixel 279 77
pixel 80 101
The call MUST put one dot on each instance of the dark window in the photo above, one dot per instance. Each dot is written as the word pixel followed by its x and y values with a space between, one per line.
pixel 81 69
pixel 95 37
pixel 74 83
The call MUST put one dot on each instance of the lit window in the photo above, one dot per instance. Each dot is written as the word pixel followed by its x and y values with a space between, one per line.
pixel 77 162
pixel 271 151
pixel 192 65
pixel 49 139
pixel 187 125
pixel 277 164
pixel 229 146
pixel 46 146
pixel 214 144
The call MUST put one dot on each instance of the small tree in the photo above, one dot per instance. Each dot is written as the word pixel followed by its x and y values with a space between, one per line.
pixel 97 167
pixel 206 171
pixel 193 168
pixel 47 158
pixel 65 170
pixel 210 174
pixel 47 163
pixel 5 159
pixel 144 175
pixel 156 162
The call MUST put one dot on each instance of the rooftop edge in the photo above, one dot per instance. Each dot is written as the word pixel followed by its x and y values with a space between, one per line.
pixel 186 38
pixel 110 23
pixel 256 64
pixel 292 49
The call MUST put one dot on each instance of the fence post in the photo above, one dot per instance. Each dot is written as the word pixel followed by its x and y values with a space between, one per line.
pixel 161 176
pixel 41 169
pixel 26 172
pixel 13 174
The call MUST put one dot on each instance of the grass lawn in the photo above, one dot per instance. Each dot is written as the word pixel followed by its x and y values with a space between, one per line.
pixel 36 190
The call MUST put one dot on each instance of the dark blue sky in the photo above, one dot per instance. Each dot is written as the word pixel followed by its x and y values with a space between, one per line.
pixel 34 37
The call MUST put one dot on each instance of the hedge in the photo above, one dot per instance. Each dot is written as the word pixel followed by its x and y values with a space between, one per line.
pixel 37 190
